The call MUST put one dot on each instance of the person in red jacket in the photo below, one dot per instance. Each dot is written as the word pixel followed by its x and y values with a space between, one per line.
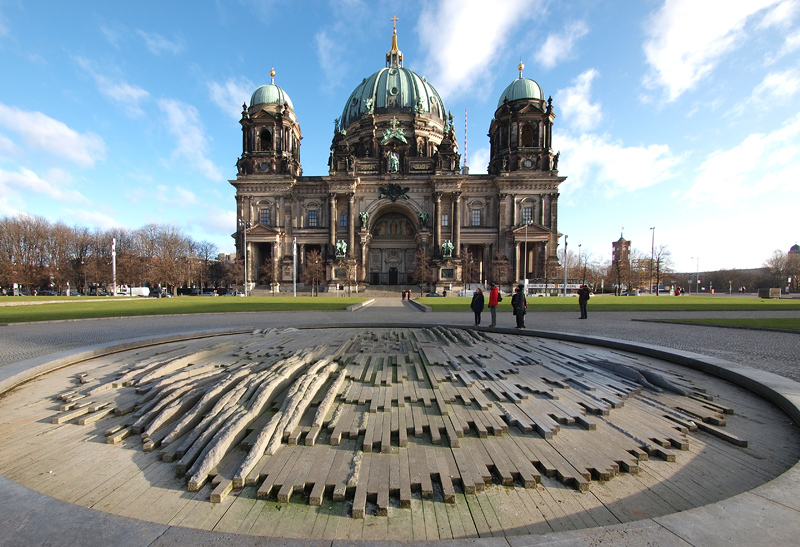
pixel 494 300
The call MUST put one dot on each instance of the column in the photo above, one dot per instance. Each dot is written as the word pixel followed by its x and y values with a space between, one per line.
pixel 351 225
pixel 515 211
pixel 276 262
pixel 554 213
pixel 456 224
pixel 518 267
pixel 437 223
pixel 487 262
pixel 537 210
pixel 546 207
pixel 332 214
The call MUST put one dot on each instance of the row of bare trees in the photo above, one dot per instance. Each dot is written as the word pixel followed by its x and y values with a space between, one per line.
pixel 40 255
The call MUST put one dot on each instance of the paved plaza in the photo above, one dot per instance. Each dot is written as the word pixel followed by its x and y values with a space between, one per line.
pixel 766 515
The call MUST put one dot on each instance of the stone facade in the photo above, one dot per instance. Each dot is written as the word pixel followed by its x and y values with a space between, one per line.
pixel 395 188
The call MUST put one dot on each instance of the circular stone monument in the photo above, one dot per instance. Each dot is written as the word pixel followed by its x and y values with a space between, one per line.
pixel 388 433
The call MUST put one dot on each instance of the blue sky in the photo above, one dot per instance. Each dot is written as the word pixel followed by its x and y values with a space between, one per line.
pixel 678 115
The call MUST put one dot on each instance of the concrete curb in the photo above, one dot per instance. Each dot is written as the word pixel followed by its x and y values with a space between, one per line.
pixel 719 326
pixel 420 306
pixel 767 515
pixel 364 304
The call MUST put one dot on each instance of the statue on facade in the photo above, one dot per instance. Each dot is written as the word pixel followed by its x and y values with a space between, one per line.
pixel 341 248
pixel 364 218
pixel 423 218
pixel 368 108
pixel 394 162
pixel 336 125
pixel 447 249
pixel 555 160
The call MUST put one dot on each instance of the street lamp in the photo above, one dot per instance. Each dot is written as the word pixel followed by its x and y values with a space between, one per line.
pixel 697 275
pixel 244 225
pixel 652 248
pixel 525 267
pixel 566 264
pixel 579 260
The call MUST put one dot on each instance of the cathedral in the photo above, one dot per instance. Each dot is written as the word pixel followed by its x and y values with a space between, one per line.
pixel 396 195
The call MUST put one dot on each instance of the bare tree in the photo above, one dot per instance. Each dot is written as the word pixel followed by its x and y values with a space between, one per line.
pixel 266 272
pixel 776 264
pixel 662 264
pixel 206 251
pixel 469 267
pixel 422 270
pixel 313 271
pixel 502 269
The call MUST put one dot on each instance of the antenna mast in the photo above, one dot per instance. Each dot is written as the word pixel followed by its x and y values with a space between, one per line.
pixel 465 170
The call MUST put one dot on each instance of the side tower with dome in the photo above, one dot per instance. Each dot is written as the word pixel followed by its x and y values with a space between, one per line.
pixel 395 193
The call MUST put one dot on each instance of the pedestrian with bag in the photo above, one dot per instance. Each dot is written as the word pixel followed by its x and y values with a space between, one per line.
pixel 519 305
pixel 583 299
pixel 477 306
pixel 494 300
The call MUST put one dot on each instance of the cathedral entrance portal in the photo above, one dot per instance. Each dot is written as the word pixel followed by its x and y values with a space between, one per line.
pixel 392 249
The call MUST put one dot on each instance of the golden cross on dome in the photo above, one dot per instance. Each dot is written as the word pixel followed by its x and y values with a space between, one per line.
pixel 394 21
pixel 394 123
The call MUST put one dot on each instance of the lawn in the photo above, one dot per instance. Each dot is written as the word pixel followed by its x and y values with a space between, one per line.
pixel 77 308
pixel 628 303
pixel 788 323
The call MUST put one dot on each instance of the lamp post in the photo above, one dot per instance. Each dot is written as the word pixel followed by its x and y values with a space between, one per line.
pixel 525 267
pixel 294 265
pixel 566 264
pixel 114 264
pixel 579 260
pixel 697 275
pixel 244 225
pixel 652 249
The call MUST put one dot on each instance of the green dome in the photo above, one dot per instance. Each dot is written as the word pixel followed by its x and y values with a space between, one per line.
pixel 521 88
pixel 393 89
pixel 270 94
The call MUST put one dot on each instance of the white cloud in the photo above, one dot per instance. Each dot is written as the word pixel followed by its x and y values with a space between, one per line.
pixel 230 95
pixel 215 221
pixel 43 132
pixel 464 37
pixel 176 195
pixel 575 106
pixel 157 44
pixel 687 39
pixel 597 163
pixel 558 47
pixel 8 147
pixel 183 122
pixel 778 86
pixel 479 161
pixel 330 58
pixel 93 218
pixel 780 15
pixel 121 92
pixel 758 165
pixel 55 185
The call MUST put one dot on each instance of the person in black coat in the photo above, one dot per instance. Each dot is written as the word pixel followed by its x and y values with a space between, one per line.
pixel 518 306
pixel 477 306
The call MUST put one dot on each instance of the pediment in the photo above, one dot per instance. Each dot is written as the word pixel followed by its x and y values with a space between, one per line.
pixel 263 231
pixel 533 230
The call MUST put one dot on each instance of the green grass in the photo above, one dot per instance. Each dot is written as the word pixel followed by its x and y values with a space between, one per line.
pixel 86 308
pixel 789 323
pixel 628 303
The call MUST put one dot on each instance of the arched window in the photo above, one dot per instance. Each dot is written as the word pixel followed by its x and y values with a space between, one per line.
pixel 265 136
pixel 527 136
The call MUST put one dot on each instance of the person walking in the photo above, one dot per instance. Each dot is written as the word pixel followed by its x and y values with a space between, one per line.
pixel 477 306
pixel 583 299
pixel 518 306
pixel 494 300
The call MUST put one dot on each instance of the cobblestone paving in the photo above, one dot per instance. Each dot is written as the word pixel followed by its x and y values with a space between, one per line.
pixel 771 351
